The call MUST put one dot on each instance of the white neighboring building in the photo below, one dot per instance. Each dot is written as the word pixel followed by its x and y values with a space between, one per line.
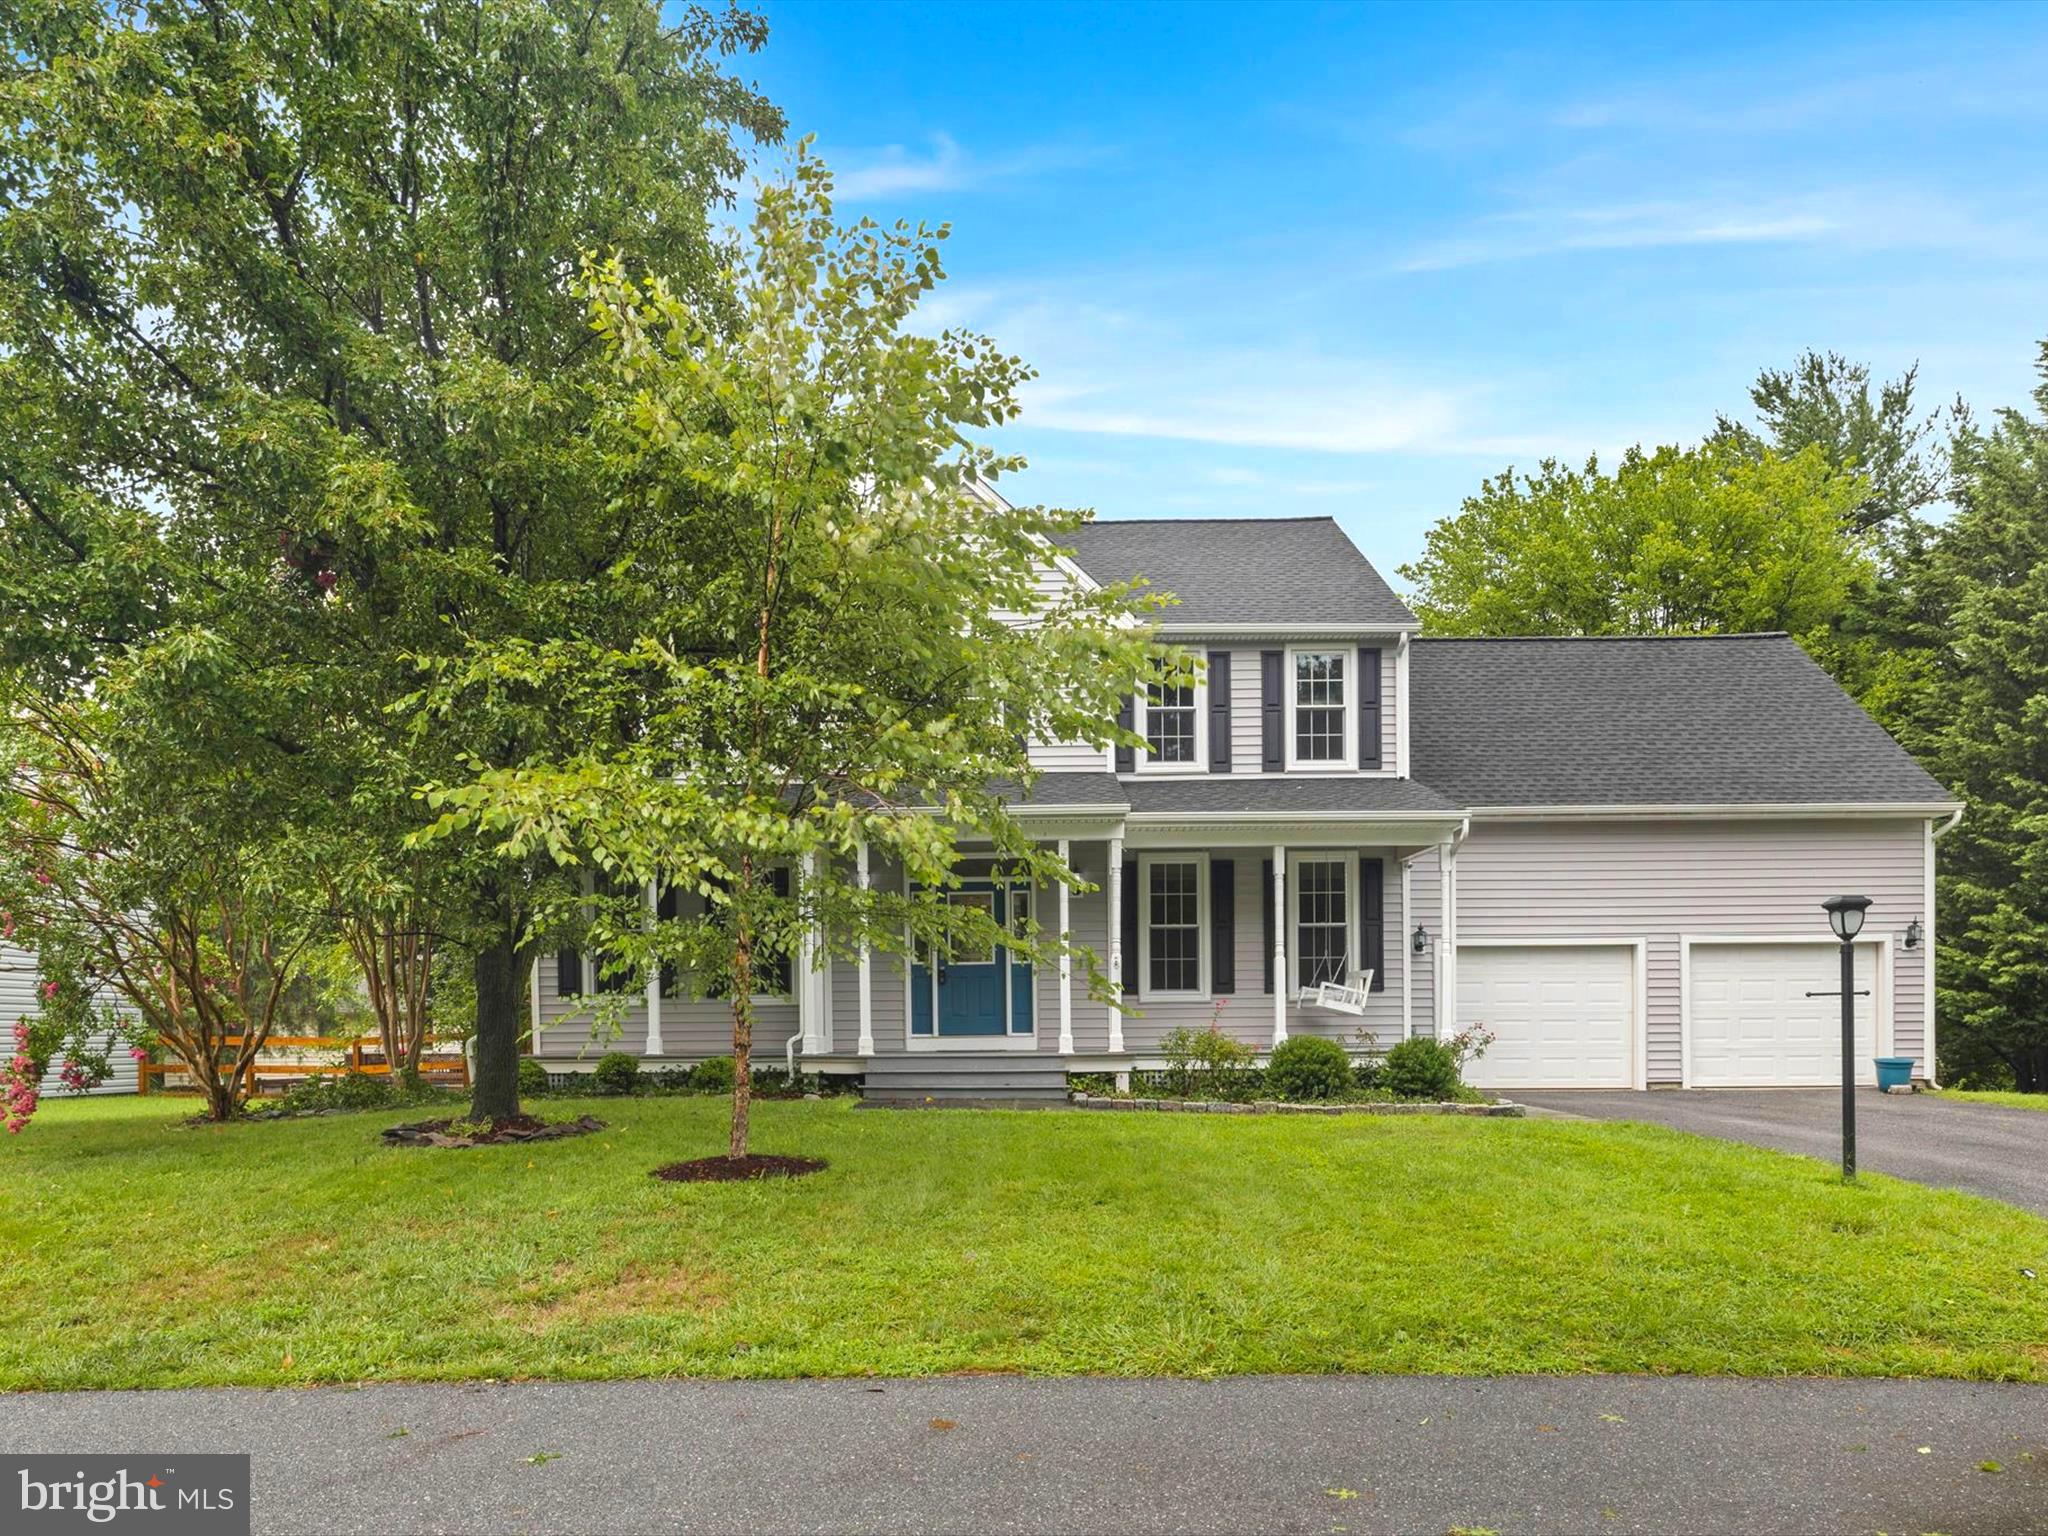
pixel 19 981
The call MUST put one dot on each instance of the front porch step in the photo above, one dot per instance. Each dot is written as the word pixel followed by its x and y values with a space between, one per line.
pixel 1011 1077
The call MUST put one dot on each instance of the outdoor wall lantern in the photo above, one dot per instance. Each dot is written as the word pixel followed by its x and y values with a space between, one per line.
pixel 1913 934
pixel 1845 916
pixel 1418 940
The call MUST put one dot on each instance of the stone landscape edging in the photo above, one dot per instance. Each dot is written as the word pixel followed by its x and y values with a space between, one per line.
pixel 1504 1109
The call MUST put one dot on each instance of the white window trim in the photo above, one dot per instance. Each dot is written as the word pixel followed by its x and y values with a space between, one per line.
pixel 1143 896
pixel 1141 702
pixel 1296 857
pixel 1349 761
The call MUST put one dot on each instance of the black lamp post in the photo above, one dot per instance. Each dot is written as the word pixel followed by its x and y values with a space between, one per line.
pixel 1845 916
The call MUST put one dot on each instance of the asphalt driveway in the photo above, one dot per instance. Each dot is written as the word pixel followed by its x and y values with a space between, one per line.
pixel 1982 1148
pixel 1325 1454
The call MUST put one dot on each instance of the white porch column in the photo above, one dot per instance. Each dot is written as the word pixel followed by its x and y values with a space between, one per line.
pixel 653 1047
pixel 867 967
pixel 533 1004
pixel 1408 956
pixel 1447 942
pixel 1279 943
pixel 1116 942
pixel 811 1021
pixel 1066 965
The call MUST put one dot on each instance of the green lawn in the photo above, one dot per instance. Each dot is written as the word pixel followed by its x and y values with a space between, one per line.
pixel 1997 1096
pixel 138 1252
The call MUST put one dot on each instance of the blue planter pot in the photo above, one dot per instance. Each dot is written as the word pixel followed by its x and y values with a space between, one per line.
pixel 1894 1071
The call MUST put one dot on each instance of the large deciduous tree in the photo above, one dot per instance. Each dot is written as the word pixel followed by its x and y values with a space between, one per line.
pixel 294 369
pixel 1676 541
pixel 1987 578
pixel 826 655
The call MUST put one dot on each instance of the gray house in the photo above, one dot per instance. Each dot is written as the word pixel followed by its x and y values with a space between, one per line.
pixel 1609 852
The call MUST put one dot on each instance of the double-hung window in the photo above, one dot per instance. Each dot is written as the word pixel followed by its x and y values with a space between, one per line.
pixel 1319 709
pixel 1174 731
pixel 1323 919
pixel 1175 896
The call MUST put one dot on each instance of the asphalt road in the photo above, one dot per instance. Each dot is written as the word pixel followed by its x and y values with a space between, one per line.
pixel 1983 1148
pixel 1300 1454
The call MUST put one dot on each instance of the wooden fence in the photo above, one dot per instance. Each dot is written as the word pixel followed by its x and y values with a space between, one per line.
pixel 285 1058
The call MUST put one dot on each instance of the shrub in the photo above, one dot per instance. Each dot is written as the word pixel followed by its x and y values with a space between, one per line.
pixel 354 1090
pixel 1370 1075
pixel 533 1078
pixel 1422 1069
pixel 617 1072
pixel 1308 1067
pixel 672 1079
pixel 1205 1064
pixel 714 1074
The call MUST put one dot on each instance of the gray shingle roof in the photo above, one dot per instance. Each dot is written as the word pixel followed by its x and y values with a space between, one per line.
pixel 1723 720
pixel 1093 790
pixel 1284 570
pixel 1256 793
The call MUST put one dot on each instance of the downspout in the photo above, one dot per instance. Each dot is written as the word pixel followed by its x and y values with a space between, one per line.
pixel 1934 835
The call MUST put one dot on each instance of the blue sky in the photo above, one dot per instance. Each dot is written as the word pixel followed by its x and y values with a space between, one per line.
pixel 1278 260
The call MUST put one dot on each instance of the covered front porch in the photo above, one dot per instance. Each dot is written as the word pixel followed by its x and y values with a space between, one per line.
pixel 1230 921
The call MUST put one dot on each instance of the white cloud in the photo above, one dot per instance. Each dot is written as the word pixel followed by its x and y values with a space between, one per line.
pixel 895 171
pixel 1548 231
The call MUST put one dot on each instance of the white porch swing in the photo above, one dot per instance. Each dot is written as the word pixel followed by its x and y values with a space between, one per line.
pixel 1349 996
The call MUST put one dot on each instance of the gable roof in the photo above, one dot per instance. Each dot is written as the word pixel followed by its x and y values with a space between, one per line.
pixel 1225 571
pixel 1681 720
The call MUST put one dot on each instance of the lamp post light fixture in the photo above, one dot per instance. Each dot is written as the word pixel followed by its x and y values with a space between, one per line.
pixel 1845 916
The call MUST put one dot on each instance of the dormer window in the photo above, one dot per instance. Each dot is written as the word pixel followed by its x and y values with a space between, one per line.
pixel 1319 709
pixel 1171 721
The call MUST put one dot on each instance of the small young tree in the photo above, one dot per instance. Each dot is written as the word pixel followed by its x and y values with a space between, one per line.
pixel 827 653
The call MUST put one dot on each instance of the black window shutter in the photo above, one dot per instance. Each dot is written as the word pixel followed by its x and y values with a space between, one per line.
pixel 775 966
pixel 1372 919
pixel 1368 706
pixel 1219 711
pixel 1222 926
pixel 1272 712
pixel 1266 906
pixel 568 973
pixel 1126 757
pixel 665 912
pixel 1132 897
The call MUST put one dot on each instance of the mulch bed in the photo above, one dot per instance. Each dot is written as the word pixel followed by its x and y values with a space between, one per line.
pixel 726 1170
pixel 513 1128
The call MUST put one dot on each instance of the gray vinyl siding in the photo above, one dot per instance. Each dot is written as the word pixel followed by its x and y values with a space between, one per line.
pixel 1659 881
pixel 691 1028
pixel 1246 755
pixel 1390 701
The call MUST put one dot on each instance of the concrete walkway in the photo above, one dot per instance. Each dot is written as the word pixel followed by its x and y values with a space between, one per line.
pixel 1306 1454
pixel 1984 1148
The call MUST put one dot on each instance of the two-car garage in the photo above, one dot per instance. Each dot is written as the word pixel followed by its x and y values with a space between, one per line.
pixel 1750 1012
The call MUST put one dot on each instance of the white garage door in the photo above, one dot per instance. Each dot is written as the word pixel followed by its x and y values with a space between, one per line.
pixel 1563 1017
pixel 1752 1025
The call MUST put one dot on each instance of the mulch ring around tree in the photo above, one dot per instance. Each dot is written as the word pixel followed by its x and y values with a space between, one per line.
pixel 513 1128
pixel 725 1170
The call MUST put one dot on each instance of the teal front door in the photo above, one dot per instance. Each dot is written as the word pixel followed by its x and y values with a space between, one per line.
pixel 965 996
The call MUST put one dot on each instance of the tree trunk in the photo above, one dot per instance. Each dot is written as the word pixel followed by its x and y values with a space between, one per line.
pixel 494 1090
pixel 742 1030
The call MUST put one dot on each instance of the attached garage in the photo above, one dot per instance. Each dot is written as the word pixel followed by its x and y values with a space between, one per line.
pixel 1768 1013
pixel 1563 1015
